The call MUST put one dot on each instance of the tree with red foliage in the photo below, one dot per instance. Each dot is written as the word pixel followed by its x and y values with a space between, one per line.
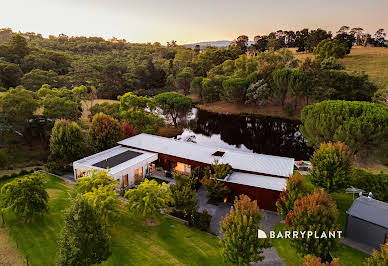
pixel 295 190
pixel 104 132
pixel 127 130
pixel 318 213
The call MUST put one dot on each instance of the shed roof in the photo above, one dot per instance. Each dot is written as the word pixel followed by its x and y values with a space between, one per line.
pixel 239 160
pixel 261 181
pixel 370 210
pixel 116 159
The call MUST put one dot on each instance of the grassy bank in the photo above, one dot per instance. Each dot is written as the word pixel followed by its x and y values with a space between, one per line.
pixel 371 60
pixel 133 242
pixel 232 108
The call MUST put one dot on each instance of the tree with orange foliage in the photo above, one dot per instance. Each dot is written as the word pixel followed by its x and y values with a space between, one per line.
pixel 318 213
pixel 378 259
pixel 241 244
pixel 295 190
pixel 315 261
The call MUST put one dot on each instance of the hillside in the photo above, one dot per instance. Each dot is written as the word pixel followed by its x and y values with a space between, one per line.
pixel 372 60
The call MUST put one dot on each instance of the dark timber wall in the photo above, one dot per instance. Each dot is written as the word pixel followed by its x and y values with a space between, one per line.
pixel 266 199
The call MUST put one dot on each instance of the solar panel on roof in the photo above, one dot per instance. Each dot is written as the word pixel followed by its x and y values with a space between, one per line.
pixel 117 159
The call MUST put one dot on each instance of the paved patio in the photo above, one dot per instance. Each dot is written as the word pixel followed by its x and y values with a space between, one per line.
pixel 218 211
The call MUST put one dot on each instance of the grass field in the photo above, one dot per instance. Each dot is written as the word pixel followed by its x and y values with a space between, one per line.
pixel 133 242
pixel 371 60
pixel 347 255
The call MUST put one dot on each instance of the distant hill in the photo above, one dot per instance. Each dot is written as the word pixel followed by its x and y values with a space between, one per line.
pixel 217 44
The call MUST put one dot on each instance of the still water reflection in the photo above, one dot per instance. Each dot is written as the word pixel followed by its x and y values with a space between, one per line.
pixel 260 134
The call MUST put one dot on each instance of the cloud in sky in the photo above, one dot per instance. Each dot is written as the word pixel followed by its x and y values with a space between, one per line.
pixel 187 21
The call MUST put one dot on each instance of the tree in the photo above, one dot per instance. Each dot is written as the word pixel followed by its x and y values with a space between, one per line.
pixel 347 40
pixel 149 199
pixel 10 74
pixel 344 86
pixel 240 244
pixel 173 105
pixel 234 89
pixel 61 108
pixel 315 37
pixel 258 93
pixel 316 212
pixel 17 106
pixel 94 180
pixel 298 84
pixel 196 86
pixel 182 81
pixel 330 48
pixel 112 109
pixel 331 166
pixel 26 196
pixel 104 199
pixel 84 239
pixel 281 81
pixel 295 190
pixel 127 130
pixel 378 259
pixel 67 144
pixel 18 48
pixel 362 126
pixel 184 197
pixel 132 102
pixel 104 132
pixel 34 80
pixel 211 88
pixel 242 42
pixel 331 63
pixel 379 38
pixel 216 188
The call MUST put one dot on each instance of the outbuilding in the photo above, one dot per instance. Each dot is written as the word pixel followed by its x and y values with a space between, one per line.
pixel 367 222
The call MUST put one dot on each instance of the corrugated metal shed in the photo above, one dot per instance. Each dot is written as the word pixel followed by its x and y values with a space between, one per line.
pixel 244 161
pixel 370 210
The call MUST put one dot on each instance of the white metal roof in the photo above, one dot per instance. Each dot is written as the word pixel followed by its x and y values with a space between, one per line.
pixel 261 181
pixel 239 160
pixel 98 157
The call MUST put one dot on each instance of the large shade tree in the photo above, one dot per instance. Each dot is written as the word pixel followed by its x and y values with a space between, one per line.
pixel 26 196
pixel 362 126
pixel 174 105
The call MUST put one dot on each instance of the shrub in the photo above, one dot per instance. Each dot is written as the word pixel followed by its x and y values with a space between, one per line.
pixel 331 63
pixel 378 259
pixel 184 198
pixel 234 89
pixel 331 166
pixel 202 220
pixel 375 182
pixel 315 261
pixel 330 48
pixel 104 132
pixel 216 189
pixel 289 109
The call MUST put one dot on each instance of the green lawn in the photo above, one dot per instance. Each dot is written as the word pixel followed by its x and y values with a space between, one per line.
pixel 133 242
pixel 347 255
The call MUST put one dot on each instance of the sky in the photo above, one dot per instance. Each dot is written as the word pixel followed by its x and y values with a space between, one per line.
pixel 187 21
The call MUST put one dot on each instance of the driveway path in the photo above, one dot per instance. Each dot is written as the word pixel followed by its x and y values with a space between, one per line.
pixel 218 211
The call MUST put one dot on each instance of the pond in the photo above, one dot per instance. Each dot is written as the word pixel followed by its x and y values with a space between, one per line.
pixel 252 133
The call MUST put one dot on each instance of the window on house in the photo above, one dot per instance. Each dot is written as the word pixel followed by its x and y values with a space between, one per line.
pixel 183 168
pixel 139 172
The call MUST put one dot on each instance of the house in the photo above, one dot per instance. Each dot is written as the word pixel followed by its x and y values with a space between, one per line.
pixel 367 222
pixel 261 177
